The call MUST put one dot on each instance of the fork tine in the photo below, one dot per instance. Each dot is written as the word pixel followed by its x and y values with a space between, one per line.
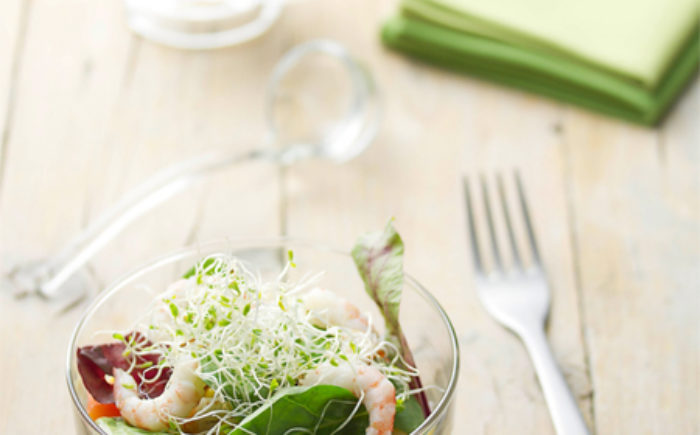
pixel 509 225
pixel 492 228
pixel 528 222
pixel 472 228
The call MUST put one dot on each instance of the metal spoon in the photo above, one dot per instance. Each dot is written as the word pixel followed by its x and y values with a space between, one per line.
pixel 337 140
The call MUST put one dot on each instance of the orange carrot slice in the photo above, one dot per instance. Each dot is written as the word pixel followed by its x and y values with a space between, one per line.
pixel 97 410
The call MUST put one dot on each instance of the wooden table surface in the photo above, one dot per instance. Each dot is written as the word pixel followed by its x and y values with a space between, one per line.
pixel 88 110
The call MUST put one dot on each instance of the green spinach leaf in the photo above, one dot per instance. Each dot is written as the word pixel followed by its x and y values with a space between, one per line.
pixel 321 409
pixel 117 426
pixel 409 415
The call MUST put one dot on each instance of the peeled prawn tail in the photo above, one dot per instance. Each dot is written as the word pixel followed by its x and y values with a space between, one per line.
pixel 329 309
pixel 365 382
pixel 181 395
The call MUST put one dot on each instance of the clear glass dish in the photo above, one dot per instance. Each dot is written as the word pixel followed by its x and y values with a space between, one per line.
pixel 201 24
pixel 427 327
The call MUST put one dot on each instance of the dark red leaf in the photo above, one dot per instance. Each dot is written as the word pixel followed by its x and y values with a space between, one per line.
pixel 92 366
pixel 96 361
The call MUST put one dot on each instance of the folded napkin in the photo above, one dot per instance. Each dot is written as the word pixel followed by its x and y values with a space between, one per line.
pixel 626 58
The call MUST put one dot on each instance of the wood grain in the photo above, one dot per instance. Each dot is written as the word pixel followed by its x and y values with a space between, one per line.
pixel 638 258
pixel 89 111
pixel 12 29
pixel 62 97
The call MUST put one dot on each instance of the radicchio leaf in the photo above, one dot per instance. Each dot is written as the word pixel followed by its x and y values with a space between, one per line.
pixel 379 260
pixel 96 361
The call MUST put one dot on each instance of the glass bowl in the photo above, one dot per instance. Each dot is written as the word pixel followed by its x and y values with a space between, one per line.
pixel 428 329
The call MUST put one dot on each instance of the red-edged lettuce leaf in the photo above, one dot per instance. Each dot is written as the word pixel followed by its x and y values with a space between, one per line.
pixel 93 363
pixel 96 361
pixel 379 260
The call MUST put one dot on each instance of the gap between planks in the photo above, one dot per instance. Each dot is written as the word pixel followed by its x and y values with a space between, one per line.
pixel 23 18
pixel 127 74
pixel 576 267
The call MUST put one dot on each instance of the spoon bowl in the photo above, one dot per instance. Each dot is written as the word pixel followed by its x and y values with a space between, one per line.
pixel 321 103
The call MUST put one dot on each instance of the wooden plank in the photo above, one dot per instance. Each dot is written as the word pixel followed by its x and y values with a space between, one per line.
pixel 69 80
pixel 12 27
pixel 680 161
pixel 179 105
pixel 438 126
pixel 532 145
pixel 66 83
pixel 635 198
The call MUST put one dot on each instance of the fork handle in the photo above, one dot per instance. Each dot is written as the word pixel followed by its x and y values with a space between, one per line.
pixel 563 408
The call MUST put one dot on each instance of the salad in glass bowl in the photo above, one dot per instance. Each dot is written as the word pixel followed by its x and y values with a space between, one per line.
pixel 237 338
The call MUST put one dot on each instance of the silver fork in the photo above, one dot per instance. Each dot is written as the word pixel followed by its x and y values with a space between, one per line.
pixel 518 297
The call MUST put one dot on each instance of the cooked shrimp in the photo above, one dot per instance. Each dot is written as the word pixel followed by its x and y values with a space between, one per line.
pixel 327 308
pixel 366 382
pixel 181 396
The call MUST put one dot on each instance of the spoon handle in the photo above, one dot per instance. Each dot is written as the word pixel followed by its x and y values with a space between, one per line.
pixel 46 277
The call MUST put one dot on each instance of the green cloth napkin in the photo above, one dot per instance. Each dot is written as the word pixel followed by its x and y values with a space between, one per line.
pixel 625 58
